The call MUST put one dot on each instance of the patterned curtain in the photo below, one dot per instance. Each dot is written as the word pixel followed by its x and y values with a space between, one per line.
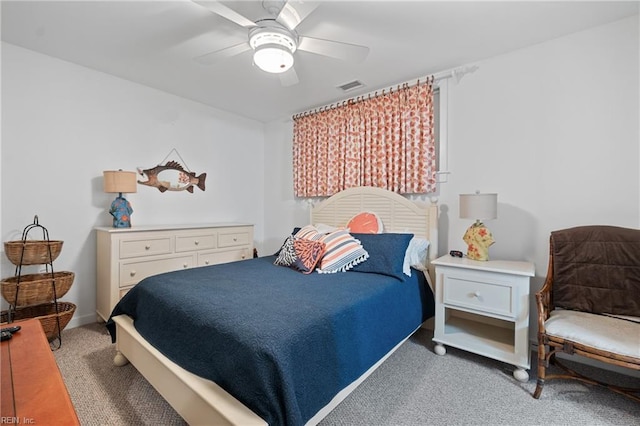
pixel 386 141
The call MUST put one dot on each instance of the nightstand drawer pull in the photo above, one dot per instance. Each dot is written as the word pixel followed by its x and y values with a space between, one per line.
pixel 132 273
pixel 476 294
pixel 196 242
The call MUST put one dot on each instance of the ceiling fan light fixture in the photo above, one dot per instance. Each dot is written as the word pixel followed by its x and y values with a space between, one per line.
pixel 273 58
pixel 273 47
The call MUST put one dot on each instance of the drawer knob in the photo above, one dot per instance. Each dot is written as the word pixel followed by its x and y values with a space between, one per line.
pixel 197 242
pixel 132 273
pixel 476 294
pixel 147 247
pixel 235 239
pixel 185 265
pixel 206 262
pixel 243 256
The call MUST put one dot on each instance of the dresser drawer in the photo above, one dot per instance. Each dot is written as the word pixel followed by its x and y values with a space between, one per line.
pixel 206 259
pixel 132 272
pixel 195 242
pixel 124 291
pixel 145 247
pixel 489 297
pixel 240 238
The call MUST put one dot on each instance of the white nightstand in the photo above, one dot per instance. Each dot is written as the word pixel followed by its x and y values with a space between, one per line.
pixel 483 307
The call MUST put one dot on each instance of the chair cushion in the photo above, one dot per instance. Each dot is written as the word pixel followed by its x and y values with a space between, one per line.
pixel 598 331
pixel 597 269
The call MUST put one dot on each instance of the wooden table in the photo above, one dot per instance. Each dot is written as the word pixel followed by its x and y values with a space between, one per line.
pixel 33 391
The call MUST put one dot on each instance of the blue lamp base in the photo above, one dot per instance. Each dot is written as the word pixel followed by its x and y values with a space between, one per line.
pixel 121 211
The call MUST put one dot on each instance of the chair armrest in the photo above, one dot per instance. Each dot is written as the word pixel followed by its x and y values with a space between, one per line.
pixel 543 302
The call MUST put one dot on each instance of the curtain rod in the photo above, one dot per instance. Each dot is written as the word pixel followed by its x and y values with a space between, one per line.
pixel 455 73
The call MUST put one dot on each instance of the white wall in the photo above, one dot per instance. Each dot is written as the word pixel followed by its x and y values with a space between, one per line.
pixel 553 129
pixel 282 211
pixel 63 124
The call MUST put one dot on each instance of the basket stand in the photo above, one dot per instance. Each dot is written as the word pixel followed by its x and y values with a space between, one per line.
pixel 48 262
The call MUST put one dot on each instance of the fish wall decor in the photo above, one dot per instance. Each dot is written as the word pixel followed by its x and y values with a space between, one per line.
pixel 171 177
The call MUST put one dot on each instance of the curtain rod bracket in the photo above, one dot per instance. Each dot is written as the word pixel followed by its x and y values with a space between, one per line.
pixel 458 73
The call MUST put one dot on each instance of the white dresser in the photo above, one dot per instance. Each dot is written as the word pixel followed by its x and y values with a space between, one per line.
pixel 483 307
pixel 127 255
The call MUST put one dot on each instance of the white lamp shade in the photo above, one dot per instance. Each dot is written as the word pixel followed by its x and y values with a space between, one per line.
pixel 478 206
pixel 273 58
pixel 117 181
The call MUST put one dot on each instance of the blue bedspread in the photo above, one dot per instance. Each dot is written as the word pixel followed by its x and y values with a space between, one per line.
pixel 281 342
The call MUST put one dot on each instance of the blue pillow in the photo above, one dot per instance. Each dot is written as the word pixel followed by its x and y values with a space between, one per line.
pixel 386 253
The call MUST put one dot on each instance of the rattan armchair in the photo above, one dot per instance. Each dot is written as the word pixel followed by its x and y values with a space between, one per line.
pixel 589 304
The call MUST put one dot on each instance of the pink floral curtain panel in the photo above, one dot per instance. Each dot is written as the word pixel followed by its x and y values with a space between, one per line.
pixel 386 141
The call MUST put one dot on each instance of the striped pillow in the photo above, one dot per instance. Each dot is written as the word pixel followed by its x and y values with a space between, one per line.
pixel 308 232
pixel 342 252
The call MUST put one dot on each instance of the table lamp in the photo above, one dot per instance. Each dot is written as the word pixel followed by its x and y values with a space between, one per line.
pixel 119 182
pixel 478 237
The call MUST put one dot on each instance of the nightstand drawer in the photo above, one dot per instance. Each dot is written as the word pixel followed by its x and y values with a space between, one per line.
pixel 195 242
pixel 487 297
pixel 132 273
pixel 233 239
pixel 145 247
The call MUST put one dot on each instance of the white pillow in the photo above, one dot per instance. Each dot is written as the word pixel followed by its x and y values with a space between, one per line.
pixel 323 228
pixel 416 255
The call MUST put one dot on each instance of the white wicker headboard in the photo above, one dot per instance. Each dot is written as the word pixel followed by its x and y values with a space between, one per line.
pixel 397 213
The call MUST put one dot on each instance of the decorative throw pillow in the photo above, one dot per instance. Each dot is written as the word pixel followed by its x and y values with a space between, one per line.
pixel 365 223
pixel 300 254
pixel 342 252
pixel 308 232
pixel 386 253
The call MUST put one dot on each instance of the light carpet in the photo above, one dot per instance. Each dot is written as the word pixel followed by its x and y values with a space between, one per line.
pixel 413 387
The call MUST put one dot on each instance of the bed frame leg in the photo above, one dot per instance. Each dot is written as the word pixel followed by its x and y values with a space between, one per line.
pixel 119 360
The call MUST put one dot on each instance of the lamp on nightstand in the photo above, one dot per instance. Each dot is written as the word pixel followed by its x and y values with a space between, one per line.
pixel 119 182
pixel 478 237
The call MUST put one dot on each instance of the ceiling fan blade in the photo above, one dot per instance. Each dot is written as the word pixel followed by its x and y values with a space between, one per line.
pixel 213 57
pixel 294 12
pixel 289 77
pixel 335 49
pixel 226 12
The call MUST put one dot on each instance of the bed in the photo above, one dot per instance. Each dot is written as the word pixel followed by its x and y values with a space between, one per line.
pixel 290 362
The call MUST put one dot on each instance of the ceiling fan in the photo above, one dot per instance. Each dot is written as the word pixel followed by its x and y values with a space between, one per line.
pixel 274 40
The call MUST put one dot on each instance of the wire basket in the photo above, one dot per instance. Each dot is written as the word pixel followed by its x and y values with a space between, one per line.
pixel 32 252
pixel 35 289
pixel 46 314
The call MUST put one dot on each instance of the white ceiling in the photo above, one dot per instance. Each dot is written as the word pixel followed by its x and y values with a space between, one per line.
pixel 154 43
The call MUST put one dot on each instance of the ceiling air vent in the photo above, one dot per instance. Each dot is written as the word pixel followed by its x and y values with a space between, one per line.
pixel 355 84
